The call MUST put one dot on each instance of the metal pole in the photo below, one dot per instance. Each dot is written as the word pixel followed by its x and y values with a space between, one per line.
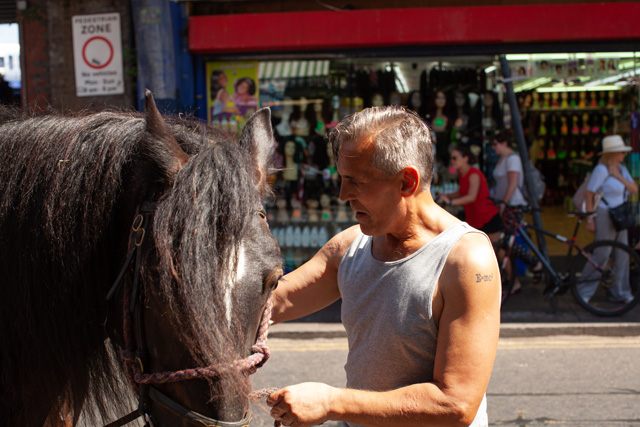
pixel 516 124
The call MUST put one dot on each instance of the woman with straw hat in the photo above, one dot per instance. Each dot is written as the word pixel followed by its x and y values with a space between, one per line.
pixel 610 178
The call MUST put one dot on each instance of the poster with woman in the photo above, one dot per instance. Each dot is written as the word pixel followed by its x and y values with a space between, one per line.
pixel 232 91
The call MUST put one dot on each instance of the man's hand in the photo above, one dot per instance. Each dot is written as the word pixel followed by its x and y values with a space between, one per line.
pixel 302 405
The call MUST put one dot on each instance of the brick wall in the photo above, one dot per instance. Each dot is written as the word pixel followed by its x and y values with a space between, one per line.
pixel 34 48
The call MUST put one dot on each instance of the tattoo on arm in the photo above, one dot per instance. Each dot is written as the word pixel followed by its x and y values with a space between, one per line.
pixel 484 277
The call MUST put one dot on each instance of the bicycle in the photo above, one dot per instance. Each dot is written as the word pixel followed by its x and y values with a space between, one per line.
pixel 601 274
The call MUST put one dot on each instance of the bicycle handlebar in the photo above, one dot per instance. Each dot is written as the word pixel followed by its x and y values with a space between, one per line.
pixel 526 208
pixel 582 215
pixel 515 208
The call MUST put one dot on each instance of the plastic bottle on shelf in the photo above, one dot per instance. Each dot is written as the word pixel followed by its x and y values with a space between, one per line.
pixel 314 238
pixel 288 237
pixel 297 237
pixel 323 236
pixel 306 237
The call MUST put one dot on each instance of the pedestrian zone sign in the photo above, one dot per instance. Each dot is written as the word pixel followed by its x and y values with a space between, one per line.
pixel 97 54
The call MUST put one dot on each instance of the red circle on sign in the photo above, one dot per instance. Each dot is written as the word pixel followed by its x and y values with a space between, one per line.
pixel 84 52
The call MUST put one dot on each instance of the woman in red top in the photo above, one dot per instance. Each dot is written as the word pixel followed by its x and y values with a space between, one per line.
pixel 473 195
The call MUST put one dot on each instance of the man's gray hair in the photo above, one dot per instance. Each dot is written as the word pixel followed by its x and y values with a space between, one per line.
pixel 400 136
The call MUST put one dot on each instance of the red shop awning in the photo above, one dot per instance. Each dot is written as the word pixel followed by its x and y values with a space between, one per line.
pixel 327 30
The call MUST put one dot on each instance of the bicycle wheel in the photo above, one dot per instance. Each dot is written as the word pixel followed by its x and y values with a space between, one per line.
pixel 599 278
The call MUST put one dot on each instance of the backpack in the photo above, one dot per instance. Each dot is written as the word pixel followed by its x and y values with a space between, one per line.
pixel 578 197
pixel 538 182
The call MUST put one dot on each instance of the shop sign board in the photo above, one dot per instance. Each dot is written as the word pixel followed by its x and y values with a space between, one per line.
pixel 97 54
pixel 571 67
pixel 233 93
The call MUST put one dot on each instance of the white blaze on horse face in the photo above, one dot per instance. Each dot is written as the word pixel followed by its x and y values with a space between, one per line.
pixel 239 274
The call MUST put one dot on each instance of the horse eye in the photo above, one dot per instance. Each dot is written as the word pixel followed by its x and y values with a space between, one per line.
pixel 272 280
pixel 278 277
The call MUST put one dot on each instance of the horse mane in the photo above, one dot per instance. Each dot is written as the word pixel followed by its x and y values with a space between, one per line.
pixel 197 228
pixel 66 182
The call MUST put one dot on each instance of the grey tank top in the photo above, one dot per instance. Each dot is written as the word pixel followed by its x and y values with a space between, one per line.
pixel 387 313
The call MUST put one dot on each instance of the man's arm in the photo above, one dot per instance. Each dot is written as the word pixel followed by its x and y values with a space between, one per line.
pixel 468 304
pixel 314 285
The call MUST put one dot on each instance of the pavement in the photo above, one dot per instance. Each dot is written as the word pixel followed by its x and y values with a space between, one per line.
pixel 525 314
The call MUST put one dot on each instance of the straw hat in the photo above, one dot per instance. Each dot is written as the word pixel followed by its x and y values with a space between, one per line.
pixel 613 144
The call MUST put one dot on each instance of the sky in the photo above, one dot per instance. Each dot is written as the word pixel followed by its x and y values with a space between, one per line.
pixel 9 33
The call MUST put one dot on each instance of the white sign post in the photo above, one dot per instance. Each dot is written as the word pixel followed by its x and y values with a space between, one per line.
pixel 97 54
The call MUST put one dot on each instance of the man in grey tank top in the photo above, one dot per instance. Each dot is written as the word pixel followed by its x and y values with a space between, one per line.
pixel 420 290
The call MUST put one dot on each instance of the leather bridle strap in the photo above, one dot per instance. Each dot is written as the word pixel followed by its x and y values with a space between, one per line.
pixel 192 417
pixel 146 209
pixel 125 420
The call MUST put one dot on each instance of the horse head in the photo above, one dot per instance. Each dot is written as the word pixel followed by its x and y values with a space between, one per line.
pixel 137 241
pixel 194 306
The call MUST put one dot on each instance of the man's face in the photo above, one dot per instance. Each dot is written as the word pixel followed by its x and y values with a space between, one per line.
pixel 372 195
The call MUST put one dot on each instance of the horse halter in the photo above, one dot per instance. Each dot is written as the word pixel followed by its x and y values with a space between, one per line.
pixel 135 359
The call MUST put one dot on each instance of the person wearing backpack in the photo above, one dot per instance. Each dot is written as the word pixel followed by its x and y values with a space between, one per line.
pixel 509 178
pixel 508 173
pixel 613 180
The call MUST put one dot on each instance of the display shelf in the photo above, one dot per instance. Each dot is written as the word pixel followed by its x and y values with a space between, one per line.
pixel 299 240
pixel 569 109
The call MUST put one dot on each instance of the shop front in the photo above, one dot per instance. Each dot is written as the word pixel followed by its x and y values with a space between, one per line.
pixel 570 94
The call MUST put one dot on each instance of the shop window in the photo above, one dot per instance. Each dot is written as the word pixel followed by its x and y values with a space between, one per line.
pixel 567 103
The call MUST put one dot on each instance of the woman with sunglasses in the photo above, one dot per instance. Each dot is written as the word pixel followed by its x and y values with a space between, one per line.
pixel 612 180
pixel 473 194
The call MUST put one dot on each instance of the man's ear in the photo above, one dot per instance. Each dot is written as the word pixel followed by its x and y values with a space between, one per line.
pixel 410 181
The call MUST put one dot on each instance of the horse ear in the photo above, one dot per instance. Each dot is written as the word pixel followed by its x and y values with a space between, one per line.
pixel 257 139
pixel 159 129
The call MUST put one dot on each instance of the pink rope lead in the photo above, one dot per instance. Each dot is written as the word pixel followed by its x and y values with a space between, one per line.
pixel 259 355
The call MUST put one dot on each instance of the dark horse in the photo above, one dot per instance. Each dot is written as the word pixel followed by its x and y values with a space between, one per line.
pixel 136 266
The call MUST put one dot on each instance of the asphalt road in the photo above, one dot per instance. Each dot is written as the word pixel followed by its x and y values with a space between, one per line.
pixel 536 381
